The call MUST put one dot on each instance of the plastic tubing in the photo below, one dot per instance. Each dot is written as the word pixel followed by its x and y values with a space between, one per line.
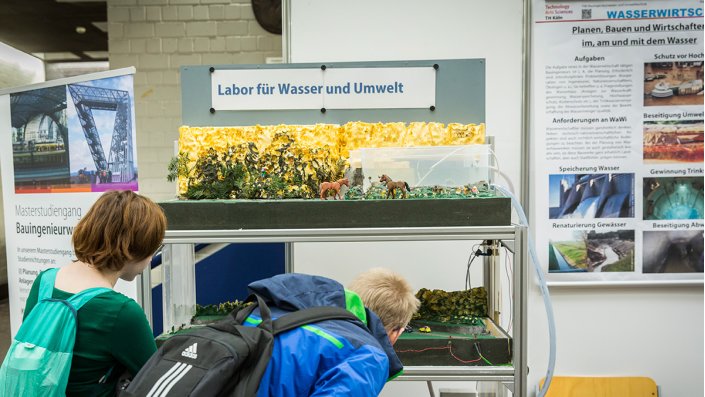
pixel 436 163
pixel 544 291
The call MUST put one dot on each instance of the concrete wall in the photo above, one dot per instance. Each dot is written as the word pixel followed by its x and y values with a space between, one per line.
pixel 157 37
pixel 61 70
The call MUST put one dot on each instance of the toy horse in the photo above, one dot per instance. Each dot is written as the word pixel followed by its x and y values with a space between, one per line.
pixel 325 186
pixel 392 186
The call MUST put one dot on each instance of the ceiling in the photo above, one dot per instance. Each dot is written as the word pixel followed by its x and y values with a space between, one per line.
pixel 48 29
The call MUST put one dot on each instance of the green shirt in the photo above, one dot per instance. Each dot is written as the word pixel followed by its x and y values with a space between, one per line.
pixel 112 330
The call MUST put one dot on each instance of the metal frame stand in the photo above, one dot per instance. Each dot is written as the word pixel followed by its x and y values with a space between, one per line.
pixel 179 283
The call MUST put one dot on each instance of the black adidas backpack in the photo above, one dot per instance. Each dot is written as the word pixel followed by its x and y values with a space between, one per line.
pixel 222 359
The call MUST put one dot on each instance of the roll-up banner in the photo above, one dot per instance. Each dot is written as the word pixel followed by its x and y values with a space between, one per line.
pixel 618 141
pixel 63 143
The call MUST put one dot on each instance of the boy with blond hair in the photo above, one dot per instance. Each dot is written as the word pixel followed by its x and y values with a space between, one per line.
pixel 335 357
pixel 390 296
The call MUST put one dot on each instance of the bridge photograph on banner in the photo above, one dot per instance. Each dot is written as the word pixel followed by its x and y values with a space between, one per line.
pixel 74 137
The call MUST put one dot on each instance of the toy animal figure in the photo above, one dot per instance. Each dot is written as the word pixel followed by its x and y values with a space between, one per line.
pixel 392 186
pixel 335 186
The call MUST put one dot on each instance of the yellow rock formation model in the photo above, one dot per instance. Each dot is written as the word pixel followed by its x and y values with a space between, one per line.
pixel 315 147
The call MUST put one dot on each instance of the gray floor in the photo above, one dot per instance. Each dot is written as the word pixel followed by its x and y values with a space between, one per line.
pixel 4 328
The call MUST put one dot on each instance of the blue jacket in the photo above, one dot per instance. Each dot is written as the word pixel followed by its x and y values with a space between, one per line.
pixel 328 358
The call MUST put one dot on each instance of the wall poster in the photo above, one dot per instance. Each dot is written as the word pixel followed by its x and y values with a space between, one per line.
pixel 618 140
pixel 63 144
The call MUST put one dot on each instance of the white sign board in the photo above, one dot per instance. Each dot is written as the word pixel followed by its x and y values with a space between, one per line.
pixel 345 88
pixel 58 154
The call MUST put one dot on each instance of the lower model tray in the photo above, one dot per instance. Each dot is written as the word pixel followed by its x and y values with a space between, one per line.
pixel 315 214
pixel 454 345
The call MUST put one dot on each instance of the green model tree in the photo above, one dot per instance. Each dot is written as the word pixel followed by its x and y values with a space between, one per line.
pixel 456 306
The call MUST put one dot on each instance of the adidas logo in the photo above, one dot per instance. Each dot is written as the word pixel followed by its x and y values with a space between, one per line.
pixel 190 351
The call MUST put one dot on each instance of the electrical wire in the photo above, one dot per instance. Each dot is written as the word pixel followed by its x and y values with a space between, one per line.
pixel 479 353
pixel 452 354
pixel 508 269
pixel 467 271
pixel 450 350
pixel 544 291
pixel 481 356
pixel 471 258
pixel 423 350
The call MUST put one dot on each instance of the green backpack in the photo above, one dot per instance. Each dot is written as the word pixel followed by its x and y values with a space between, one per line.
pixel 39 360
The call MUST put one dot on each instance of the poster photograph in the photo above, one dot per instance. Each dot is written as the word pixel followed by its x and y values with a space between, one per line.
pixel 673 83
pixel 672 198
pixel 591 251
pixel 588 196
pixel 617 191
pixel 673 142
pixel 101 137
pixel 39 140
pixel 673 251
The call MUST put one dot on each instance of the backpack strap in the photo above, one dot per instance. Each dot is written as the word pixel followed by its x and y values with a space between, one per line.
pixel 312 315
pixel 46 284
pixel 236 318
pixel 288 321
pixel 81 298
pixel 266 314
pixel 46 290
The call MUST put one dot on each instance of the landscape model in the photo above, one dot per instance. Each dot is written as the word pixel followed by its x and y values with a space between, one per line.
pixel 310 161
